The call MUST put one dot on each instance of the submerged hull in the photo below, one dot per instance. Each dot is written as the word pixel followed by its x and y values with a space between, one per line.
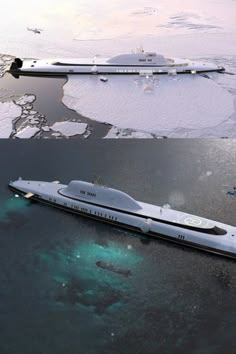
pixel 150 220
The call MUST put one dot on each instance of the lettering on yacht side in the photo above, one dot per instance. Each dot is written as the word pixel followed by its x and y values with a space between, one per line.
pixel 88 193
pixel 126 212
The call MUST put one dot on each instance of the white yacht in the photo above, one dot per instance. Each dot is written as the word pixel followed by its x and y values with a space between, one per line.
pixel 142 63
pixel 118 208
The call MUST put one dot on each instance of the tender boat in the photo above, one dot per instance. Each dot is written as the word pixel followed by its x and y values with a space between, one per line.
pixel 113 268
pixel 140 62
pixel 118 208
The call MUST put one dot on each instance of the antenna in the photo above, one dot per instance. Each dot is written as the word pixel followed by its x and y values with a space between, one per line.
pixel 97 181
pixel 140 49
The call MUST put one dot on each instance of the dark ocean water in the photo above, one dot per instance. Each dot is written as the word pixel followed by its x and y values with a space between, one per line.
pixel 53 297
pixel 49 93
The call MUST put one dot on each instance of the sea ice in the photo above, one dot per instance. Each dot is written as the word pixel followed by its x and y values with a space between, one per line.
pixel 117 133
pixel 174 103
pixel 8 113
pixel 27 133
pixel 45 128
pixel 57 135
pixel 69 128
pixel 25 99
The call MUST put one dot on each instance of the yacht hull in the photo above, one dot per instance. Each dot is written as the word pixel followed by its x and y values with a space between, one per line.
pixel 47 68
pixel 221 244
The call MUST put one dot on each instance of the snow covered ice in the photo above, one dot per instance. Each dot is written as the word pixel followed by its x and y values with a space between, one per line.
pixel 183 106
pixel 173 104
pixel 27 133
pixel 69 128
pixel 9 112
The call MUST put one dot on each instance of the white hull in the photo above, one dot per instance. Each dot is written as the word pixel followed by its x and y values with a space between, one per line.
pixel 141 63
pixel 117 208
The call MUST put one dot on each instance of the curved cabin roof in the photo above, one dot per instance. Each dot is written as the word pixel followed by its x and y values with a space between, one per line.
pixel 101 195
pixel 139 58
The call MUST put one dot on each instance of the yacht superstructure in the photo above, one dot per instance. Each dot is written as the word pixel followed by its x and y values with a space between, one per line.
pixel 142 63
pixel 118 208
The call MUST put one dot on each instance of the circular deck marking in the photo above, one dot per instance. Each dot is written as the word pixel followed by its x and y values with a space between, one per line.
pixel 193 221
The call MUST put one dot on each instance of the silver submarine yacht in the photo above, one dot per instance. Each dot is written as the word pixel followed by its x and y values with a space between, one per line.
pixel 118 208
pixel 138 62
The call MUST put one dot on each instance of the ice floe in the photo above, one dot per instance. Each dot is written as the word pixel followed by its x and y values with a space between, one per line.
pixel 5 61
pixel 182 105
pixel 27 133
pixel 24 100
pixel 19 120
pixel 118 133
pixel 118 24
pixel 46 128
pixel 9 112
pixel 69 128
pixel 57 135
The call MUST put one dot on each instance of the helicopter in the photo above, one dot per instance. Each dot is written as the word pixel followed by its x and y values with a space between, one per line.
pixel 35 30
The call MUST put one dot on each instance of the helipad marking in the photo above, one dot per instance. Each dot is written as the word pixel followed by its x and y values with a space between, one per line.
pixel 193 221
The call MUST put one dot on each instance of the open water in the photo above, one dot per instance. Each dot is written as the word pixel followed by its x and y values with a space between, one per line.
pixel 49 93
pixel 53 297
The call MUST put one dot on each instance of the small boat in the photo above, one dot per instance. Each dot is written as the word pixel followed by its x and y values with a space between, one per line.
pixel 115 207
pixel 139 62
pixel 103 78
pixel 113 268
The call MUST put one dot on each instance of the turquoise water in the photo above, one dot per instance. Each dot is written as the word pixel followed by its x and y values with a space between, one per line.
pixel 14 204
pixel 53 296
